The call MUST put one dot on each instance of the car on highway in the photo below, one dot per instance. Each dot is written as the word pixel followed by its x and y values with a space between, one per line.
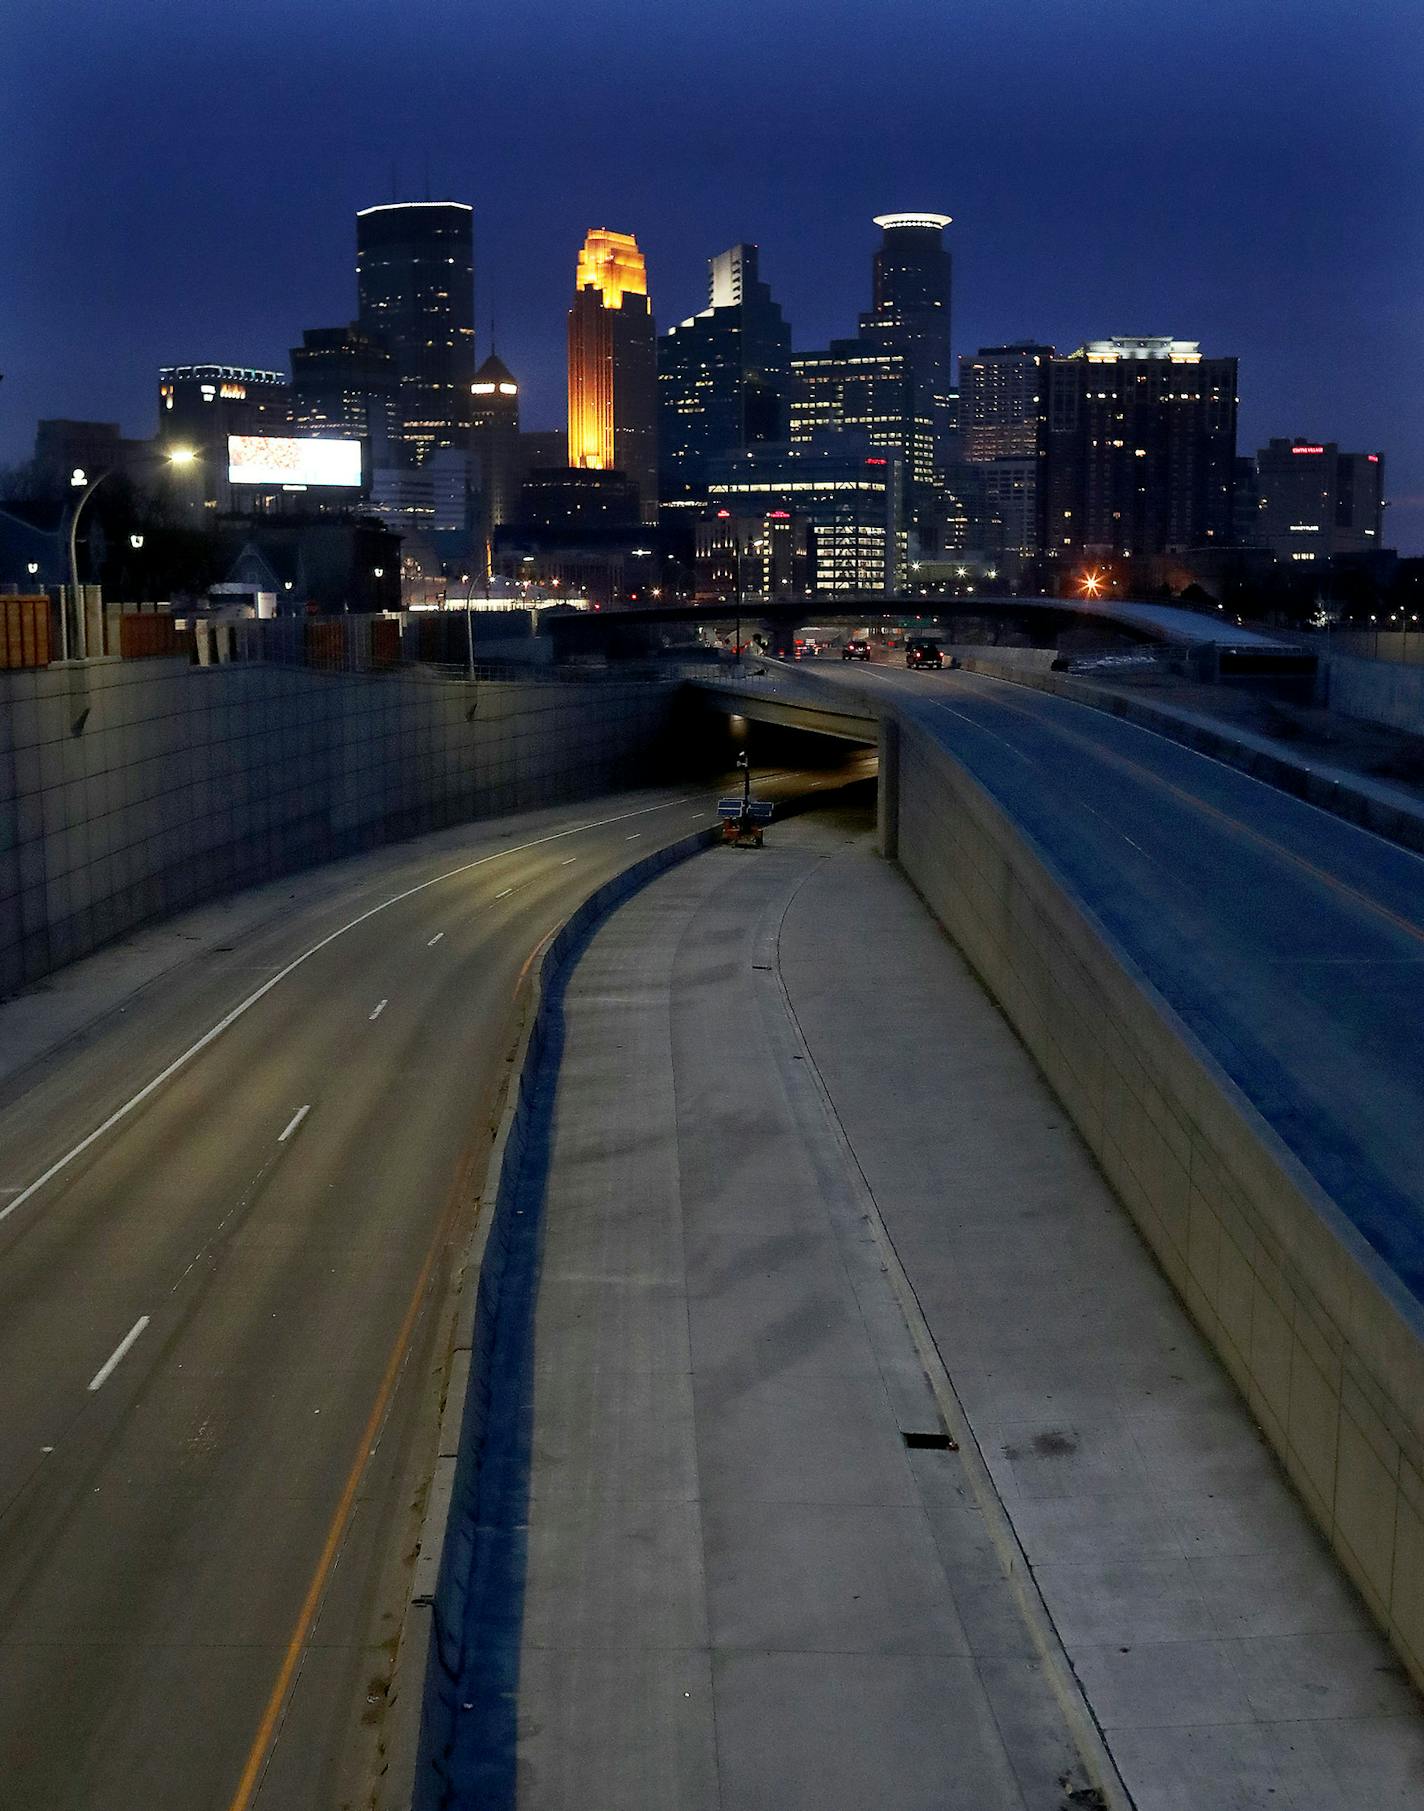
pixel 922 653
pixel 856 650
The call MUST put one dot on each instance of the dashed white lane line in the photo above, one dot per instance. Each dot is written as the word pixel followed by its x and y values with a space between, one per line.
pixel 505 894
pixel 215 1031
pixel 115 1358
pixel 380 1008
pixel 568 861
pixel 633 838
pixel 294 1122
pixel 434 940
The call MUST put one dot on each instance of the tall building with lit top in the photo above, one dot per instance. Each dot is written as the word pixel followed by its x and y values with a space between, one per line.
pixel 494 440
pixel 415 285
pixel 1141 449
pixel 723 380
pixel 613 397
pixel 910 314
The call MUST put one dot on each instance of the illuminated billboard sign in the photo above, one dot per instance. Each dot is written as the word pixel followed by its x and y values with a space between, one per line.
pixel 265 459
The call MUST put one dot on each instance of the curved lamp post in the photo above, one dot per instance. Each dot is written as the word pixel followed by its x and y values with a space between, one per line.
pixel 80 480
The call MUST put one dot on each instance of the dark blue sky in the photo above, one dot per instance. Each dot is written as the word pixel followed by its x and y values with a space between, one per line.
pixel 181 179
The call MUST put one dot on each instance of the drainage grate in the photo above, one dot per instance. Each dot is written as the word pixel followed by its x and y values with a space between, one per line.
pixel 937 1443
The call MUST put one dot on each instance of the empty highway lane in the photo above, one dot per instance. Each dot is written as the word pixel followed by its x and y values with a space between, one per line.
pixel 228 1213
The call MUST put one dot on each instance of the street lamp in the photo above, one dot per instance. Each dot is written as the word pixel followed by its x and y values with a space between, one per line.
pixel 135 541
pixel 80 480
pixel 32 567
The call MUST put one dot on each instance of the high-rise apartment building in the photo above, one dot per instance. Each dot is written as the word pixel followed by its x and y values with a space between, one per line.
pixel 910 314
pixel 1003 432
pixel 613 397
pixel 1141 449
pixel 415 284
pixel 1316 502
pixel 343 384
pixel 723 379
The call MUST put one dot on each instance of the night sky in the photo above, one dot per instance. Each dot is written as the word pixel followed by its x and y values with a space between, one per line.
pixel 181 179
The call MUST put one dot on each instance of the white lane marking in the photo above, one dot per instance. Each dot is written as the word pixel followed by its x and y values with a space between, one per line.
pixel 434 940
pixel 505 894
pixel 633 838
pixel 294 1122
pixel 569 860
pixel 115 1358
pixel 216 1031
pixel 380 1008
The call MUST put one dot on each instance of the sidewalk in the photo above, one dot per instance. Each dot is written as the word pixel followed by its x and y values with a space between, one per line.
pixel 719 1576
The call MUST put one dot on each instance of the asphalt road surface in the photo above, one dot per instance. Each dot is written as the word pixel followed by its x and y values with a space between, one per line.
pixel 1290 941
pixel 220 1317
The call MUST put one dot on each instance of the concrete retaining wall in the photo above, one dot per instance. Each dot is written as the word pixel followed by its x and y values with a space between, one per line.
pixel 1381 691
pixel 133 789
pixel 1318 1334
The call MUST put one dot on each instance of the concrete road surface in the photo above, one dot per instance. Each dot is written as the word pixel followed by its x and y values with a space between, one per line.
pixel 1290 941
pixel 220 1316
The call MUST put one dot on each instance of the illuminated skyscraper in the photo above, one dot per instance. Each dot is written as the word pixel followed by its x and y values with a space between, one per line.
pixel 415 281
pixel 1141 449
pixel 910 309
pixel 613 400
pixel 723 379
pixel 494 439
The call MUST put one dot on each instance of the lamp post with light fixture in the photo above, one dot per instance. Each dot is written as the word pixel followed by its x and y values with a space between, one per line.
pixel 81 481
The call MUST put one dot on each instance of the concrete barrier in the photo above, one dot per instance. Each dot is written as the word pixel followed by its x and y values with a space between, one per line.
pixel 1321 1338
pixel 1374 805
pixel 133 789
pixel 1380 691
pixel 421 1706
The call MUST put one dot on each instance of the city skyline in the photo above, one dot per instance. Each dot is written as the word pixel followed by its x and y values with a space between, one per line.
pixel 1303 275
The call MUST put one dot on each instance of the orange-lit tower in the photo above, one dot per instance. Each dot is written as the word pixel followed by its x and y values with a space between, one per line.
pixel 613 399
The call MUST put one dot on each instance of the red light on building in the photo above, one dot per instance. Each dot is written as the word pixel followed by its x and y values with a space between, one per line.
pixel 784 515
pixel 1307 449
pixel 724 515
pixel 1373 458
pixel 877 462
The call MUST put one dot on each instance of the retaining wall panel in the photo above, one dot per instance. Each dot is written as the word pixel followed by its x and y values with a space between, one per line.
pixel 1325 1344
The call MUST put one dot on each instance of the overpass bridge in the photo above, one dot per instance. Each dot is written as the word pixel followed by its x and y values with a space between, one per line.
pixel 1204 638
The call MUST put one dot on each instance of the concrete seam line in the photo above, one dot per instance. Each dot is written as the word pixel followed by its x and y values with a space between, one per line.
pixel 407 1696
pixel 1083 1725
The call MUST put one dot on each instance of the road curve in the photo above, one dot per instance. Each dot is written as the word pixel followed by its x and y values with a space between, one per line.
pixel 226 1221
pixel 1290 941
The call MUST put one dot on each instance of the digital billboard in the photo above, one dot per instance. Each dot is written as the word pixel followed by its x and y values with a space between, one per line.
pixel 265 459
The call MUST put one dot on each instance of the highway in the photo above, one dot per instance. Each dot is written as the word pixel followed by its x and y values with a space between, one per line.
pixel 227 1214
pixel 1290 941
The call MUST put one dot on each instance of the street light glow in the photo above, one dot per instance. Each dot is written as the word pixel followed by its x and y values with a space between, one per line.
pixel 180 455
pixel 135 541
